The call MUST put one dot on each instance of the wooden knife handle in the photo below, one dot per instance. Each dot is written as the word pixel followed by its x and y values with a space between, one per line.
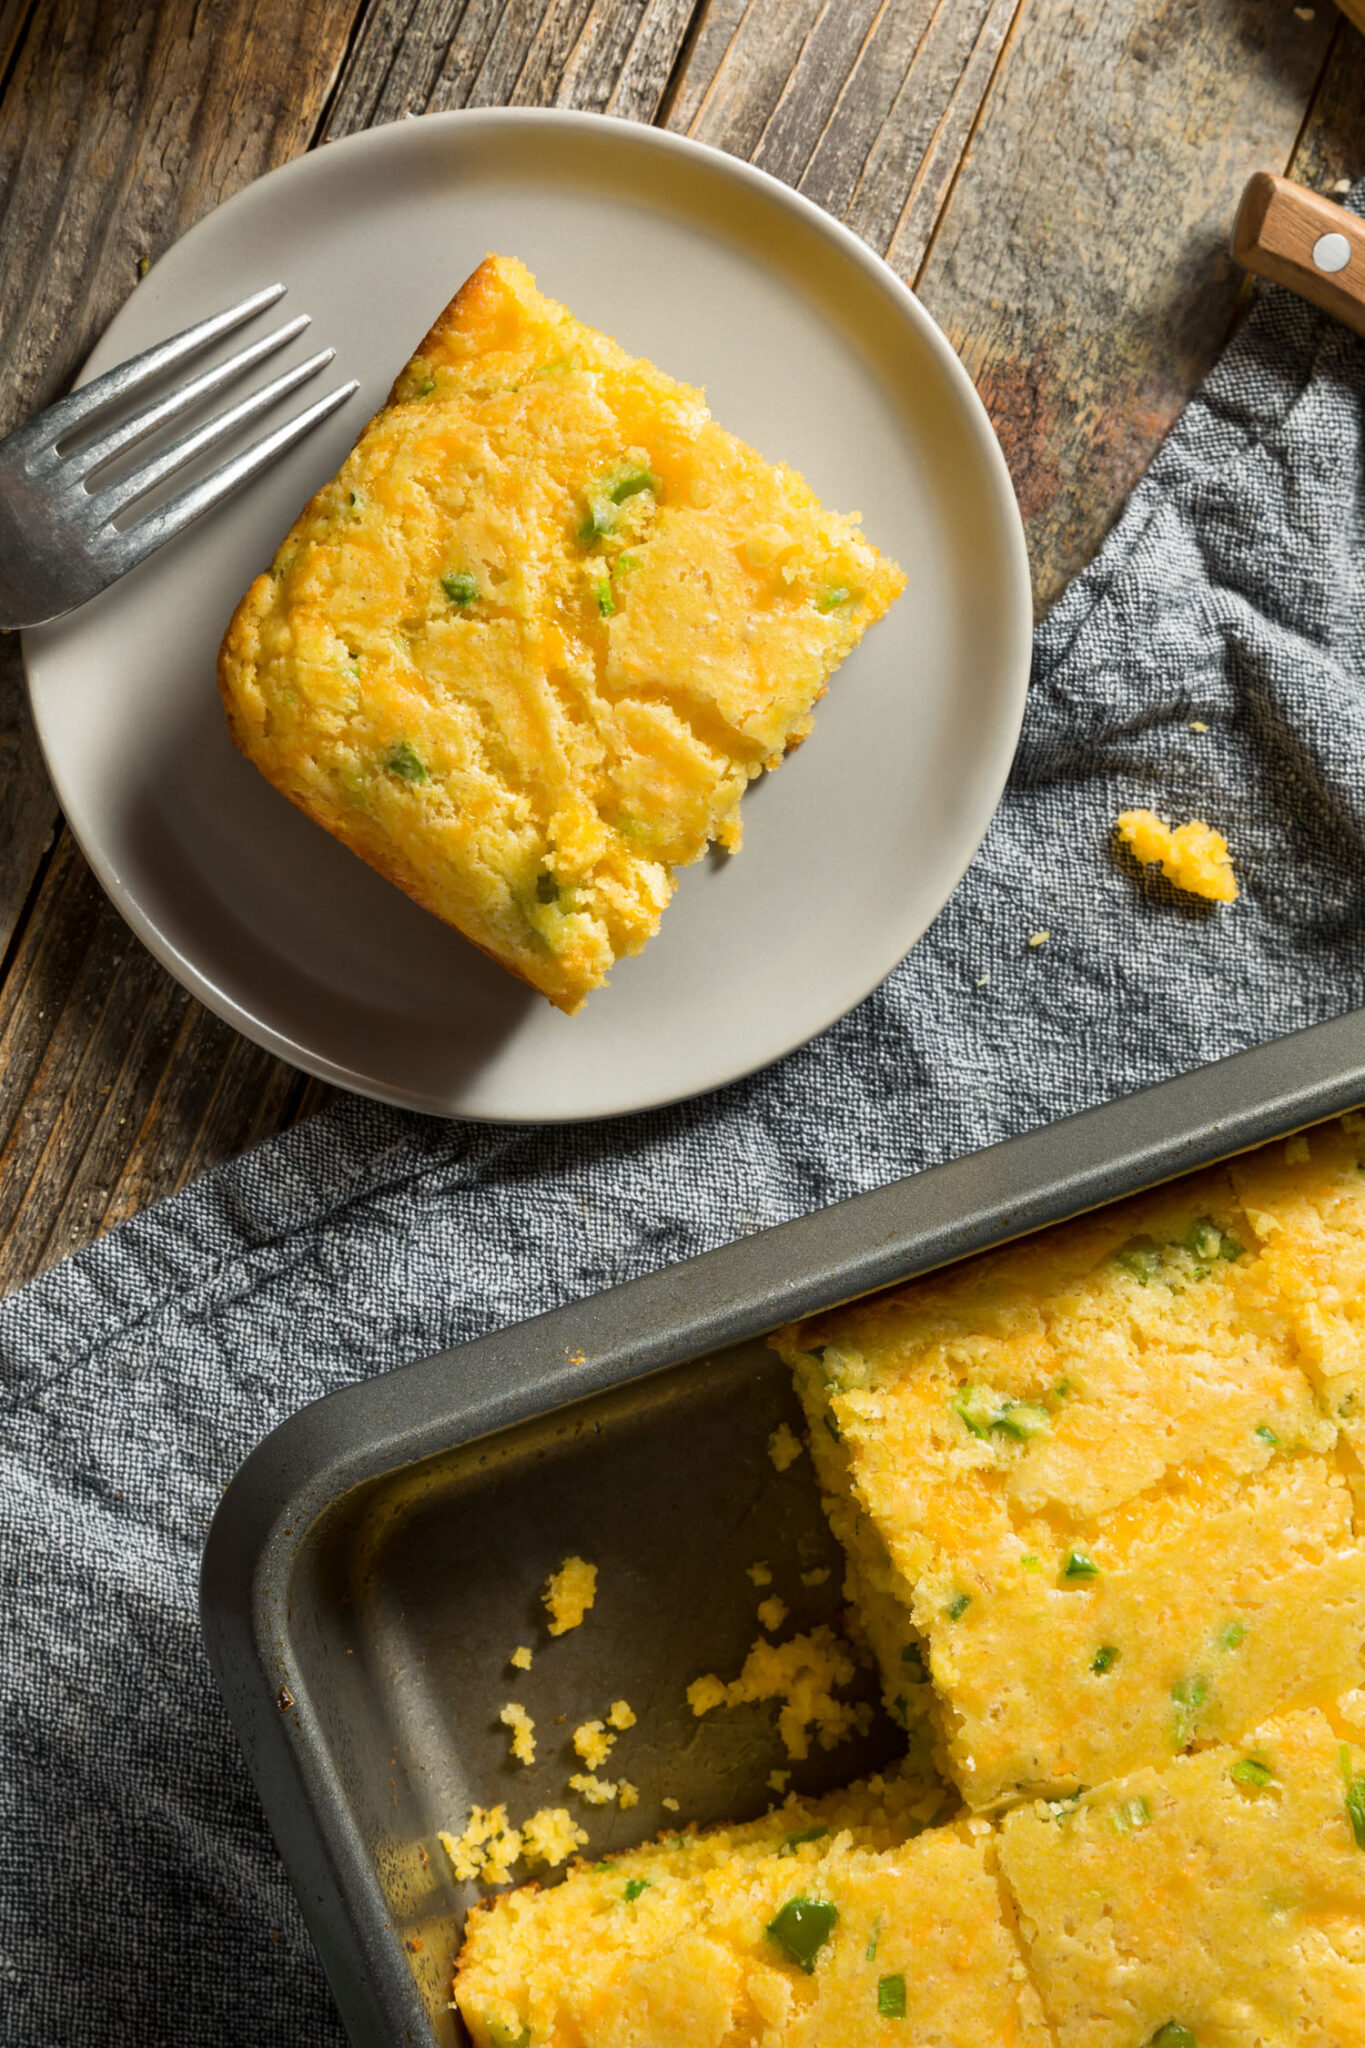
pixel 1303 241
pixel 1354 10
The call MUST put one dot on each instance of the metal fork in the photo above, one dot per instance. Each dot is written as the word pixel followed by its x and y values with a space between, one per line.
pixel 59 544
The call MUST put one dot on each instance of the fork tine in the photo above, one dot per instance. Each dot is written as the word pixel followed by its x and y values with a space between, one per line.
pixel 69 412
pixel 114 498
pixel 123 550
pixel 87 460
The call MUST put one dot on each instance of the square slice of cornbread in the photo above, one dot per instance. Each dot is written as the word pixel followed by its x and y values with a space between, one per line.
pixel 528 648
pixel 1220 1898
pixel 1091 1484
pixel 841 1931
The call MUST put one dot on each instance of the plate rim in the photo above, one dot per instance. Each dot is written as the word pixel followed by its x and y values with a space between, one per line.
pixel 1016 608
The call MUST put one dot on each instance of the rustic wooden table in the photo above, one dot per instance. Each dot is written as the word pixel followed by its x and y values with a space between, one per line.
pixel 1057 179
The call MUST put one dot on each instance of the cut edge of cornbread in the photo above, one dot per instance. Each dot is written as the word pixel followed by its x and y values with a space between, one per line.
pixel 528 704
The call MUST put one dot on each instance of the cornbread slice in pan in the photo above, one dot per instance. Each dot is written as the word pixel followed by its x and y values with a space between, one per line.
pixel 527 649
pixel 834 1933
pixel 1092 1481
pixel 1217 1901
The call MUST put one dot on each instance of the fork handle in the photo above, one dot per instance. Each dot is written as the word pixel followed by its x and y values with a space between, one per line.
pixel 1304 241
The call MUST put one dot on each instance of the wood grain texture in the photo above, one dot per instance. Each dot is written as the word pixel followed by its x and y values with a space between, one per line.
pixel 1330 154
pixel 1082 267
pixel 864 107
pixel 425 56
pixel 1283 231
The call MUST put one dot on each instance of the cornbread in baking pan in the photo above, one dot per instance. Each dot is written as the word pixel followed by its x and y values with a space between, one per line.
pixel 830 1924
pixel 1218 1900
pixel 527 649
pixel 1100 1485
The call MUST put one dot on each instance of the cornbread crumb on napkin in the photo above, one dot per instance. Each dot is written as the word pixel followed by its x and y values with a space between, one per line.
pixel 1193 856
pixel 528 648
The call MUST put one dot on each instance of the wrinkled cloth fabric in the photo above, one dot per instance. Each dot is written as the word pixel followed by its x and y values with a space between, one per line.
pixel 1210 663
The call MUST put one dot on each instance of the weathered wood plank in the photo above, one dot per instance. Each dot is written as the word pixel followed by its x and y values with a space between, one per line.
pixel 605 56
pixel 1330 155
pixel 866 107
pixel 1081 267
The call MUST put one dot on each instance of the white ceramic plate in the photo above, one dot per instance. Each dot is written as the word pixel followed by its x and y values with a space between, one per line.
pixel 810 348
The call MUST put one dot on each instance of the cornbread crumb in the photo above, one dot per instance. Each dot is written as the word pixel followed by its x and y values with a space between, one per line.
pixel 778 1781
pixel 522 1726
pixel 520 1660
pixel 705 1693
pixel 569 1594
pixel 815 1578
pixel 487 1848
pixel 783 1447
pixel 1194 857
pixel 597 1791
pixel 627 1795
pixel 803 1674
pixel 621 1715
pixel 550 1837
pixel 772 1613
pixel 1198 725
pixel 760 1573
pixel 593 1743
pixel 1040 938
pixel 671 1804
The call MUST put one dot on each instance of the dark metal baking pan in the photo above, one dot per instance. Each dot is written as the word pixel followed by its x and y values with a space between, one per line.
pixel 379 1556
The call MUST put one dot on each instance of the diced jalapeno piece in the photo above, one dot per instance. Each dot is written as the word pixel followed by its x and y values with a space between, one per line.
pixel 891 1997
pixel 502 2036
pixel 975 1409
pixel 1141 1257
pixel 403 761
pixel 1079 1566
pixel 1189 1695
pixel 1232 1636
pixel 1204 1238
pixel 801 1928
pixel 913 1654
pixel 958 1606
pixel 794 1842
pixel 831 599
pixel 1130 1815
pixel 1355 1810
pixel 1173 2035
pixel 832 1426
pixel 1031 1563
pixel 1266 1434
pixel 547 889
pixel 630 483
pixel 1249 1770
pixel 870 1952
pixel 634 1887
pixel 1104 1659
pixel 597 520
pixel 606 603
pixel 1022 1421
pixel 460 587
pixel 425 388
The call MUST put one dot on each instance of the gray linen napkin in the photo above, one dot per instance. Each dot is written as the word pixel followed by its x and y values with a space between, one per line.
pixel 141 1903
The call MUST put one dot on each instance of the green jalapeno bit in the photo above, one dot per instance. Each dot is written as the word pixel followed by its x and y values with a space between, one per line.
pixel 460 587
pixel 831 599
pixel 958 1606
pixel 891 1997
pixel 1079 1566
pixel 794 1842
pixel 634 1887
pixel 801 1928
pixel 1249 1770
pixel 1104 1659
pixel 402 761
